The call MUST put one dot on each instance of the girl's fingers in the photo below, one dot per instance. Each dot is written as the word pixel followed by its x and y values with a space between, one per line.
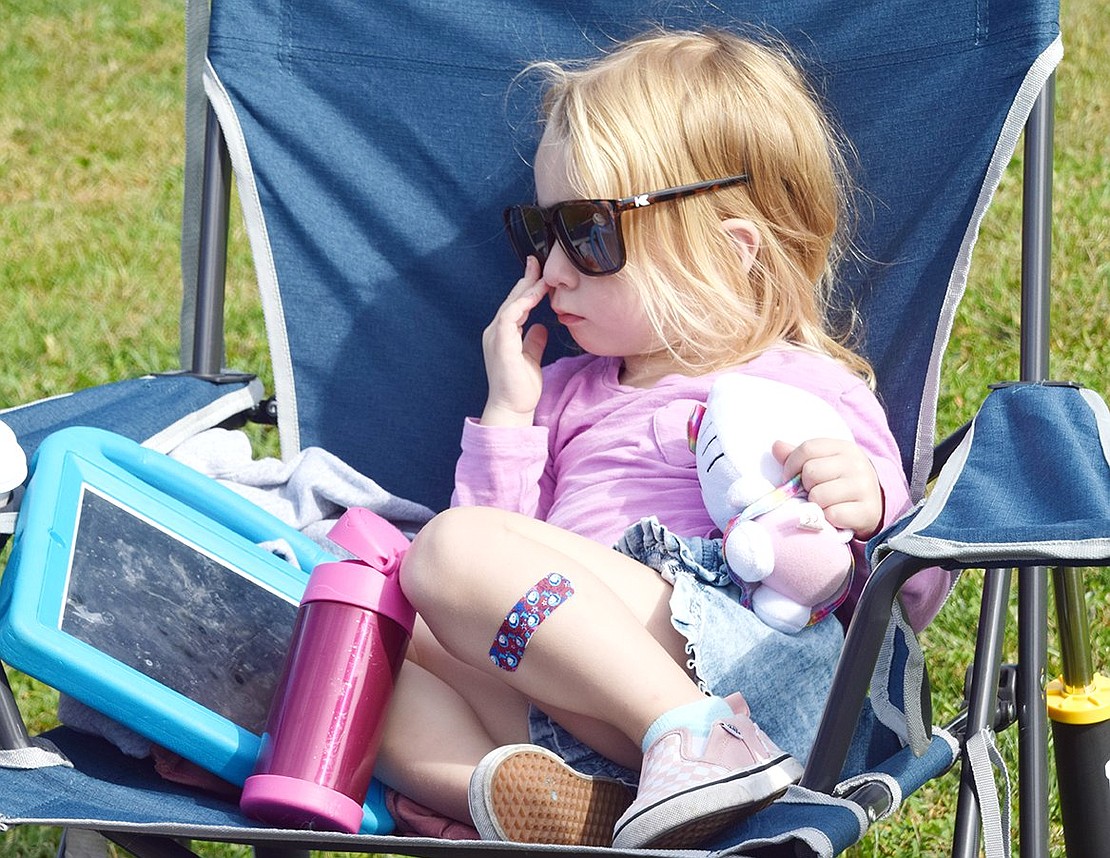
pixel 525 295
pixel 838 477
pixel 530 279
pixel 535 341
pixel 807 455
pixel 512 354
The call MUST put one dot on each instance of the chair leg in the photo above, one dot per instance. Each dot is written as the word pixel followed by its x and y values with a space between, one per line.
pixel 13 732
pixel 150 845
pixel 853 671
pixel 81 843
pixel 982 702
pixel 1032 712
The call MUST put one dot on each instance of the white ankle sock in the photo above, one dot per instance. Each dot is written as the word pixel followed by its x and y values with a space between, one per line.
pixel 698 717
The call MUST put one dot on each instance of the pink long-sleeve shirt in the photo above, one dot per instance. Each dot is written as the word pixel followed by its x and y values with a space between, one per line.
pixel 601 455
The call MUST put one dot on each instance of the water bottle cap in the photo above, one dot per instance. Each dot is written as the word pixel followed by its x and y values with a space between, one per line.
pixel 370 538
pixel 351 582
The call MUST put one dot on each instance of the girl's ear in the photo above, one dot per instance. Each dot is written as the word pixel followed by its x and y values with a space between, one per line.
pixel 745 236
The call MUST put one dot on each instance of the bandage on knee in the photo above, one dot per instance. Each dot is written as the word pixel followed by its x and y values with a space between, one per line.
pixel 524 618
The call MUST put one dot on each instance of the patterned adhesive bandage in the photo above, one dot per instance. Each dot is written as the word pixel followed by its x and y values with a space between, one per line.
pixel 521 622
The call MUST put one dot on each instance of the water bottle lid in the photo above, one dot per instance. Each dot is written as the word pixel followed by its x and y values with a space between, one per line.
pixel 352 582
pixel 369 582
pixel 370 538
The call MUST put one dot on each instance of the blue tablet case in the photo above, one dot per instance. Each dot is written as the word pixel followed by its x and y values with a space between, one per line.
pixel 140 587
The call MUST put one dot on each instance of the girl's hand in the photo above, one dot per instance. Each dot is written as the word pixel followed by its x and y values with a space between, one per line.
pixel 839 478
pixel 513 356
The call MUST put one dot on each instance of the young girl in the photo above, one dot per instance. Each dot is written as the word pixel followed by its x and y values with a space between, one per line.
pixel 553 669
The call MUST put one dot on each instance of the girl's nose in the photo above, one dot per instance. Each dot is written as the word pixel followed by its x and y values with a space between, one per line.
pixel 558 271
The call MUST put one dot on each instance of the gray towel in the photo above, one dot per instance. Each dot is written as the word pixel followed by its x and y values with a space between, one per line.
pixel 308 492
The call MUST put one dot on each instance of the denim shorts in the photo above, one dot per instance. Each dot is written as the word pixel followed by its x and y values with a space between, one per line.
pixel 784 677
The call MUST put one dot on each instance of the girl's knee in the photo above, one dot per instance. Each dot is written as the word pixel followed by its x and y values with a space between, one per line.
pixel 442 557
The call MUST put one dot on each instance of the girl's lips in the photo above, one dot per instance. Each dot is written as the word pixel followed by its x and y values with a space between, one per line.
pixel 568 319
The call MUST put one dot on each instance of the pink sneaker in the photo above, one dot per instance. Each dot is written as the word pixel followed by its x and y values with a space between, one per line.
pixel 527 794
pixel 692 788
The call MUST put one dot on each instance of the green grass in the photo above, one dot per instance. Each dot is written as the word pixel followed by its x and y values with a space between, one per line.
pixel 90 187
pixel 90 178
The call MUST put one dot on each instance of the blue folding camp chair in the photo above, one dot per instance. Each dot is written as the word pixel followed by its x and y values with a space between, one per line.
pixel 373 147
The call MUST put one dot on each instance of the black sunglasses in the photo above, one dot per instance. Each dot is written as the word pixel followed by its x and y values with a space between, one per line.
pixel 589 231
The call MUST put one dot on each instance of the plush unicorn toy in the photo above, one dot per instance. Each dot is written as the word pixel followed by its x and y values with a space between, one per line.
pixel 778 545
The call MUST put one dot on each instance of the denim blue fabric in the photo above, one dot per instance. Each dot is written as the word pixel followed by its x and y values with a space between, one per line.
pixel 137 408
pixel 105 784
pixel 785 678
pixel 547 733
pixel 1029 484
pixel 818 826
pixel 385 138
pixel 110 791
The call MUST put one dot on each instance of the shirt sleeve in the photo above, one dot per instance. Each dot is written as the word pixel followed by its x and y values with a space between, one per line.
pixel 502 467
pixel 923 595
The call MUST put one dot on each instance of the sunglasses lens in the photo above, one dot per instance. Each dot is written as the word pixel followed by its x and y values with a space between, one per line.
pixel 590 234
pixel 527 232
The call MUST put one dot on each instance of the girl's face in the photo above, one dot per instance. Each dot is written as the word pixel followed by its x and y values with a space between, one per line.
pixel 604 314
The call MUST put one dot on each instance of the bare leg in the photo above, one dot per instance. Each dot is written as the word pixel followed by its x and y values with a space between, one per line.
pixel 502 711
pixel 431 743
pixel 600 656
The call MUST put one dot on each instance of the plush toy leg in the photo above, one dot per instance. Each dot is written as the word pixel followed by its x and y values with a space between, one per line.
pixel 798 560
pixel 749 551
pixel 778 611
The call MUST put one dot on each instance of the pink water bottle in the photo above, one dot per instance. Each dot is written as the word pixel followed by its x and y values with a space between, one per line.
pixel 326 718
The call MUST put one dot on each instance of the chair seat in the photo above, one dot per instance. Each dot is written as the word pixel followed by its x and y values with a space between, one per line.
pixel 159 411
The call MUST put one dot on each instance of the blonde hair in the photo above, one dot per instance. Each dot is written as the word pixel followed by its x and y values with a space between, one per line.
pixel 670 108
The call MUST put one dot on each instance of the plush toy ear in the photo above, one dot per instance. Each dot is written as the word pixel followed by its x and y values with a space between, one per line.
pixel 745 235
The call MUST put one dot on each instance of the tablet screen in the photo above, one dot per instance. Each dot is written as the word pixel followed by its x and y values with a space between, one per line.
pixel 174 612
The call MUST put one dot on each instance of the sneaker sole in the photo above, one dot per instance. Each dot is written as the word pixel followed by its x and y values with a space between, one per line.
pixel 686 820
pixel 526 794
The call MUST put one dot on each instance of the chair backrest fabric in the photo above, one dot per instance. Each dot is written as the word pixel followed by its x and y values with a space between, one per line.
pixel 375 145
